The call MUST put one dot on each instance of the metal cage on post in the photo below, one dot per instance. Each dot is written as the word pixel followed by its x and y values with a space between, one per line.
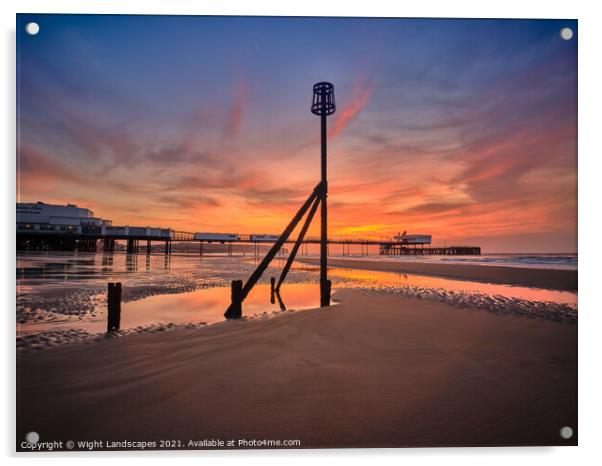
pixel 323 103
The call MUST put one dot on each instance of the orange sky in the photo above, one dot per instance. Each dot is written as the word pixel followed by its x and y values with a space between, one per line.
pixel 473 146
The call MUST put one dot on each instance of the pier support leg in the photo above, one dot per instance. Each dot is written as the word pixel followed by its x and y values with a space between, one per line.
pixel 272 285
pixel 235 309
pixel 113 307
pixel 148 246
pixel 108 244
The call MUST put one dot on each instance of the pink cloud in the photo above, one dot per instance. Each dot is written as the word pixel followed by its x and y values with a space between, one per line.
pixel 360 97
pixel 237 109
pixel 35 165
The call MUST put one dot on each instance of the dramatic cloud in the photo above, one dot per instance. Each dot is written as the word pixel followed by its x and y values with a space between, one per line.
pixel 345 114
pixel 35 168
pixel 209 129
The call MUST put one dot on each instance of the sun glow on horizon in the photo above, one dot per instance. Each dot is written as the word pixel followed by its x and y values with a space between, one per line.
pixel 472 145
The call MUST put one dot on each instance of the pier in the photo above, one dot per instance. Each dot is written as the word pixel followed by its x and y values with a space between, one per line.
pixel 140 240
pixel 47 227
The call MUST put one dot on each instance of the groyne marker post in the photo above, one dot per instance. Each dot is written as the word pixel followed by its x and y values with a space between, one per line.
pixel 323 105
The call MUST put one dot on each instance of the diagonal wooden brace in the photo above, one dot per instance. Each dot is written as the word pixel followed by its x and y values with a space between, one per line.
pixel 256 275
pixel 293 253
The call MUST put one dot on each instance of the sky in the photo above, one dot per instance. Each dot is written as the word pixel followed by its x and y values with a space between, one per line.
pixel 463 129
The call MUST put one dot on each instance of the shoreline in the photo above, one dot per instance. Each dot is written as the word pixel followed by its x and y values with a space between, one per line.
pixel 406 373
pixel 553 279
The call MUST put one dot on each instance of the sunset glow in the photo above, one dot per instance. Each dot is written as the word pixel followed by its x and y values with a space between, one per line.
pixel 463 129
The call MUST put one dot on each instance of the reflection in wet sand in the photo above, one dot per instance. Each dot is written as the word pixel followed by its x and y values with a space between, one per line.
pixel 200 306
pixel 387 279
pixel 186 289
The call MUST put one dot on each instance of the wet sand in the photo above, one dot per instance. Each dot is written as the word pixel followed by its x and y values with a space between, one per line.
pixel 374 371
pixel 551 279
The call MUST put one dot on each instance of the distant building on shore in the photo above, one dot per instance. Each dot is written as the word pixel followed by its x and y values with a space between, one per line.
pixel 42 226
pixel 39 216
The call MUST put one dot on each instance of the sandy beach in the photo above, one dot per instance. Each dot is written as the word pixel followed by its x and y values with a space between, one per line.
pixel 372 371
pixel 541 278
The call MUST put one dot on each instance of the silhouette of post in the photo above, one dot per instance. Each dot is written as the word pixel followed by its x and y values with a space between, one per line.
pixel 323 105
pixel 272 283
pixel 235 309
pixel 113 307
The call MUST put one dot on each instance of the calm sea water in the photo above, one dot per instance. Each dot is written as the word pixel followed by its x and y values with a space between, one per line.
pixel 61 291
pixel 535 261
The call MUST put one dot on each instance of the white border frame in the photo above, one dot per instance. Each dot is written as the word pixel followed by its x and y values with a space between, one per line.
pixel 590 197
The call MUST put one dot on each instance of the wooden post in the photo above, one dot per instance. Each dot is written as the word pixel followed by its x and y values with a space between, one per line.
pixel 113 307
pixel 272 283
pixel 235 309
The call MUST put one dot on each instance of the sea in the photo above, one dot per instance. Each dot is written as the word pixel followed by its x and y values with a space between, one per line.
pixel 524 260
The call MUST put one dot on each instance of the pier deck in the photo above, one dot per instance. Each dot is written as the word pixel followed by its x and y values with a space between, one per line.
pixel 90 241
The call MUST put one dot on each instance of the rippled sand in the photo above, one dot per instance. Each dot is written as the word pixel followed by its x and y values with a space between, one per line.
pixel 378 370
